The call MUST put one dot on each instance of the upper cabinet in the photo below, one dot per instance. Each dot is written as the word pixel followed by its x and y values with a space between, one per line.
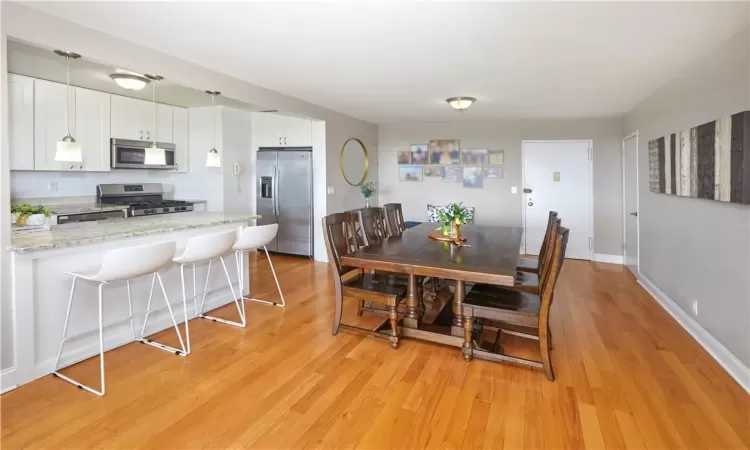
pixel 92 121
pixel 275 130
pixel 180 137
pixel 89 116
pixel 134 119
pixel 21 121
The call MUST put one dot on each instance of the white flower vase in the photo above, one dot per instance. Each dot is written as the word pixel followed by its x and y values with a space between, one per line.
pixel 367 202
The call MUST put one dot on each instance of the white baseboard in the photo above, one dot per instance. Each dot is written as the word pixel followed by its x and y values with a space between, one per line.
pixel 7 380
pixel 611 259
pixel 734 367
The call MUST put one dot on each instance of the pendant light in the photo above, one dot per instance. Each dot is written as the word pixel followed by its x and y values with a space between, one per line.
pixel 154 155
pixel 212 158
pixel 68 150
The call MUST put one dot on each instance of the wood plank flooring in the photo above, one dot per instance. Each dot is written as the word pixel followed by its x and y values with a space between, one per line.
pixel 628 376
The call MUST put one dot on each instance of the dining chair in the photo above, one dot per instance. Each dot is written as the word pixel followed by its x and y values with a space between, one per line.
pixel 532 265
pixel 525 314
pixel 373 225
pixel 532 281
pixel 339 230
pixel 394 219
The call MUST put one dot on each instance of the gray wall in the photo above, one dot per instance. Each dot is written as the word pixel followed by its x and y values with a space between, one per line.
pixel 495 204
pixel 699 249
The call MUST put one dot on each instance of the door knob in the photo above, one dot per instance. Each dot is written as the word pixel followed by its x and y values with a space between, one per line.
pixel 531 203
pixel 635 214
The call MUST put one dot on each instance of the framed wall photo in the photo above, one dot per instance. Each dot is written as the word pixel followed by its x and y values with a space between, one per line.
pixel 433 171
pixel 452 174
pixel 496 157
pixel 473 157
pixel 493 172
pixel 444 152
pixel 403 157
pixel 473 177
pixel 410 173
pixel 420 154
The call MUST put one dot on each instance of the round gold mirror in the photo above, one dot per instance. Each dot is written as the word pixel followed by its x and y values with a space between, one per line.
pixel 354 161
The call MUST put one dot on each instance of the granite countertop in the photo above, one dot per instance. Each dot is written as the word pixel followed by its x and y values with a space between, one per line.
pixel 83 208
pixel 88 233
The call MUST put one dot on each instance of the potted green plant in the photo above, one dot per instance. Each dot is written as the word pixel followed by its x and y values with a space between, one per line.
pixel 368 190
pixel 26 214
pixel 452 217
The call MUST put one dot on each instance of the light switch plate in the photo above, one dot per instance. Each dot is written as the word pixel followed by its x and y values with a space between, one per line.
pixel 330 190
pixel 52 186
pixel 513 190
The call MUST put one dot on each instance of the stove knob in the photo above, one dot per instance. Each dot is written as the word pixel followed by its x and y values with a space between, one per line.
pixel 166 210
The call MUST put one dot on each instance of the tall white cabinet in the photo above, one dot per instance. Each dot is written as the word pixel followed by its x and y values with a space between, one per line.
pixel 275 130
pixel 21 121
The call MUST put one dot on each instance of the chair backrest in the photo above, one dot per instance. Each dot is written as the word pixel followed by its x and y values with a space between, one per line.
pixel 207 246
pixel 394 219
pixel 339 232
pixel 549 236
pixel 256 237
pixel 559 245
pixel 373 225
pixel 131 262
pixel 545 260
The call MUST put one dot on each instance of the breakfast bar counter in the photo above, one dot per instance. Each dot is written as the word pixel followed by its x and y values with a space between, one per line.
pixel 41 285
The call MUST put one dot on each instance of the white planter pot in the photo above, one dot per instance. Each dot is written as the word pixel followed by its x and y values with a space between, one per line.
pixel 36 220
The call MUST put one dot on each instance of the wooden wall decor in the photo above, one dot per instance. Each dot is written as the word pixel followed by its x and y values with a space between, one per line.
pixel 710 161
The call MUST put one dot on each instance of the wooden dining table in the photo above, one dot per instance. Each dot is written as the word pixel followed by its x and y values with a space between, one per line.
pixel 490 255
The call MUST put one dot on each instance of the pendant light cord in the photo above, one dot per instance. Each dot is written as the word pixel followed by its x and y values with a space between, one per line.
pixel 213 102
pixel 153 98
pixel 67 94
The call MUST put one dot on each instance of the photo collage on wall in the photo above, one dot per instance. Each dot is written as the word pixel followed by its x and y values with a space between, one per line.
pixel 444 158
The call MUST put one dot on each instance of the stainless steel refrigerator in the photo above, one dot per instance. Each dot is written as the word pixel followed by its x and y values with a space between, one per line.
pixel 284 196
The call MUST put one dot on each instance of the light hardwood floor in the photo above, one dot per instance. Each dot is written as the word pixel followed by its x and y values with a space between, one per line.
pixel 628 376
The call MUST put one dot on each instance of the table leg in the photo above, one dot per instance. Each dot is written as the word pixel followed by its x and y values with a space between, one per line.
pixel 412 318
pixel 458 300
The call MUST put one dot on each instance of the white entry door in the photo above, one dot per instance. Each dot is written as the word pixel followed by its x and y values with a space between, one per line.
pixel 630 201
pixel 558 177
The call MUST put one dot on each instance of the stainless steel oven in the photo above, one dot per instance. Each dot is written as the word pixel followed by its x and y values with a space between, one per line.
pixel 127 154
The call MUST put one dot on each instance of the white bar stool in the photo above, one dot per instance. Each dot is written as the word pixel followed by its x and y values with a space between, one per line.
pixel 253 238
pixel 208 248
pixel 118 265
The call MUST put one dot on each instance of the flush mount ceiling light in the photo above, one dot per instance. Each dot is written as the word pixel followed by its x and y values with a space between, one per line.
pixel 154 155
pixel 67 149
pixel 460 103
pixel 212 158
pixel 130 81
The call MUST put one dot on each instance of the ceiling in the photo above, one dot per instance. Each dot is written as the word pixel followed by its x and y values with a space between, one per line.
pixel 389 62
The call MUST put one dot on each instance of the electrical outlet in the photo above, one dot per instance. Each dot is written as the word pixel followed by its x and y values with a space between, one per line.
pixel 695 307
pixel 330 190
pixel 52 186
pixel 513 190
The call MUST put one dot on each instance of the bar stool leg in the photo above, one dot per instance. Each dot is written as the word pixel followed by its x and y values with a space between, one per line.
pixel 151 342
pixel 237 301
pixel 199 313
pixel 278 287
pixel 184 306
pixel 101 346
pixel 130 310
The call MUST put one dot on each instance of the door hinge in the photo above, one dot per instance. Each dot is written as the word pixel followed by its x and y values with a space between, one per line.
pixel 591 153
pixel 591 243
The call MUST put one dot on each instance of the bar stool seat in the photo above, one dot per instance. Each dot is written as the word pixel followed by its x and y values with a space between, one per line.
pixel 122 264
pixel 253 238
pixel 207 248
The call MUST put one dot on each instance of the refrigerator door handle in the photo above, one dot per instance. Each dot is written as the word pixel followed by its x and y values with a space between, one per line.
pixel 273 192
pixel 276 198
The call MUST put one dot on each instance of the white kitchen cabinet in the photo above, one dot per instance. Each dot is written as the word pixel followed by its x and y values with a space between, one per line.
pixel 92 119
pixel 49 124
pixel 126 115
pixel 21 121
pixel 180 138
pixel 134 119
pixel 275 130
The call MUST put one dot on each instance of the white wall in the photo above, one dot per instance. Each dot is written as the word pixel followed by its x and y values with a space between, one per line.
pixel 6 304
pixel 695 249
pixel 494 203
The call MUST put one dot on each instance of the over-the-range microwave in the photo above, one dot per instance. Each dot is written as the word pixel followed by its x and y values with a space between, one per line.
pixel 128 154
